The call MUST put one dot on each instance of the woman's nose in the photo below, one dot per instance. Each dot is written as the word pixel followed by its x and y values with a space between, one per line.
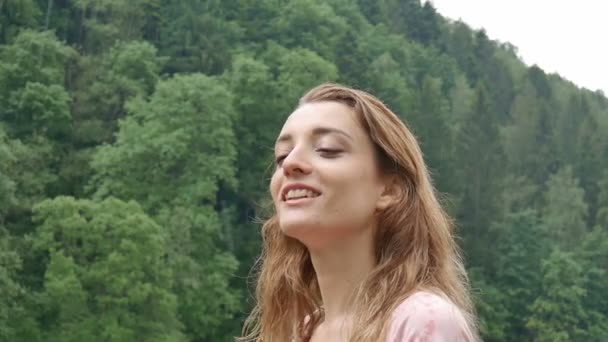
pixel 296 162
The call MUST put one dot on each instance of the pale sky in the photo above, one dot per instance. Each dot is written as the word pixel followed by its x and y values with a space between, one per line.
pixel 564 36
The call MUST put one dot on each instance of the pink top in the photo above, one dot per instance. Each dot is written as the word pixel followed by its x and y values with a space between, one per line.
pixel 427 317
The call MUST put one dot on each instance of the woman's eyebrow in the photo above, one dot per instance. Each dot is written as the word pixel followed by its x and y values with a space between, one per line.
pixel 317 131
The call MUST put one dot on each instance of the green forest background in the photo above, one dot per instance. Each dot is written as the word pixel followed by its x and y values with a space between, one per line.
pixel 136 138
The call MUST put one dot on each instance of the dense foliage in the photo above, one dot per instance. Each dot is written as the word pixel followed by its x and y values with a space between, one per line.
pixel 135 144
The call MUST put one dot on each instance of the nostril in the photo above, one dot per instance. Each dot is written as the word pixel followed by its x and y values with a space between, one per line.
pixel 288 169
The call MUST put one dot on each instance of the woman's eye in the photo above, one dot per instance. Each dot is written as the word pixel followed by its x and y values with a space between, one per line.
pixel 279 159
pixel 329 152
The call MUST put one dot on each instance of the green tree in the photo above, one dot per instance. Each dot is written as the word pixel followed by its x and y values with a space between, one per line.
pixel 107 82
pixel 38 109
pixel 558 313
pixel 429 122
pixel 478 165
pixel 66 300
pixel 461 103
pixel 387 82
pixel 34 105
pixel 417 21
pixel 460 46
pixel 12 312
pixel 16 15
pixel 565 211
pixel 169 147
pixel 539 80
pixel 33 100
pixel 593 256
pixel 424 62
pixel 106 21
pixel 197 36
pixel 7 185
pixel 107 276
pixel 602 213
pixel 492 71
pixel 174 160
pixel 125 71
pixel 425 26
pixel 490 307
pixel 521 245
pixel 310 24
pixel 519 193
pixel 34 57
pixel 374 11
pixel 298 71
pixel 253 17
pixel 373 45
pixel 567 128
pixel 592 152
pixel 525 137
pixel 31 173
pixel 259 117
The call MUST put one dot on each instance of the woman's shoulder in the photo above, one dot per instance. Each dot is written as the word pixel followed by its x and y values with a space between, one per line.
pixel 426 316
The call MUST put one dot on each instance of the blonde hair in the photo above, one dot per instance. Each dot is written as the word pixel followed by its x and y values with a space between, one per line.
pixel 414 245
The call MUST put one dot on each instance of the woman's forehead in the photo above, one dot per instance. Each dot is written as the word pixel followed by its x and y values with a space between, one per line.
pixel 331 115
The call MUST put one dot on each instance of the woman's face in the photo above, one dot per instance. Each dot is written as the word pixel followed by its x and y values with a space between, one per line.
pixel 326 185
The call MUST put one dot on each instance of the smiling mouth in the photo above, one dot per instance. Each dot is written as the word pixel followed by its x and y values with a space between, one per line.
pixel 297 194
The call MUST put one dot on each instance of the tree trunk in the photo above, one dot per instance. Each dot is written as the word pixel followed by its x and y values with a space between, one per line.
pixel 49 8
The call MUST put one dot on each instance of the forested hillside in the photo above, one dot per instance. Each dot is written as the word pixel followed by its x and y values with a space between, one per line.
pixel 136 138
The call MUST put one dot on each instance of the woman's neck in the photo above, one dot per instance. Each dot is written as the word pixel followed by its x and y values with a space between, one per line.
pixel 340 269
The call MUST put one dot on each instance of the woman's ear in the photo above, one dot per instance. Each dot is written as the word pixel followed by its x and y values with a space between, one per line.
pixel 391 193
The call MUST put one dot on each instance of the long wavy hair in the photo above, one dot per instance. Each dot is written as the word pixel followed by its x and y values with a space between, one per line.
pixel 414 244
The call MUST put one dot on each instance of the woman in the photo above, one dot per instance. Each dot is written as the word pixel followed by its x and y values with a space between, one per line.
pixel 359 248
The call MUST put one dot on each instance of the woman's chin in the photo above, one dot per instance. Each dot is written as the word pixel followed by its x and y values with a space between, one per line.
pixel 297 228
pixel 301 228
pixel 314 236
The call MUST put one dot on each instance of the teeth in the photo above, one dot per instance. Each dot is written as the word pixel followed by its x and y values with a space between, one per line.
pixel 300 193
